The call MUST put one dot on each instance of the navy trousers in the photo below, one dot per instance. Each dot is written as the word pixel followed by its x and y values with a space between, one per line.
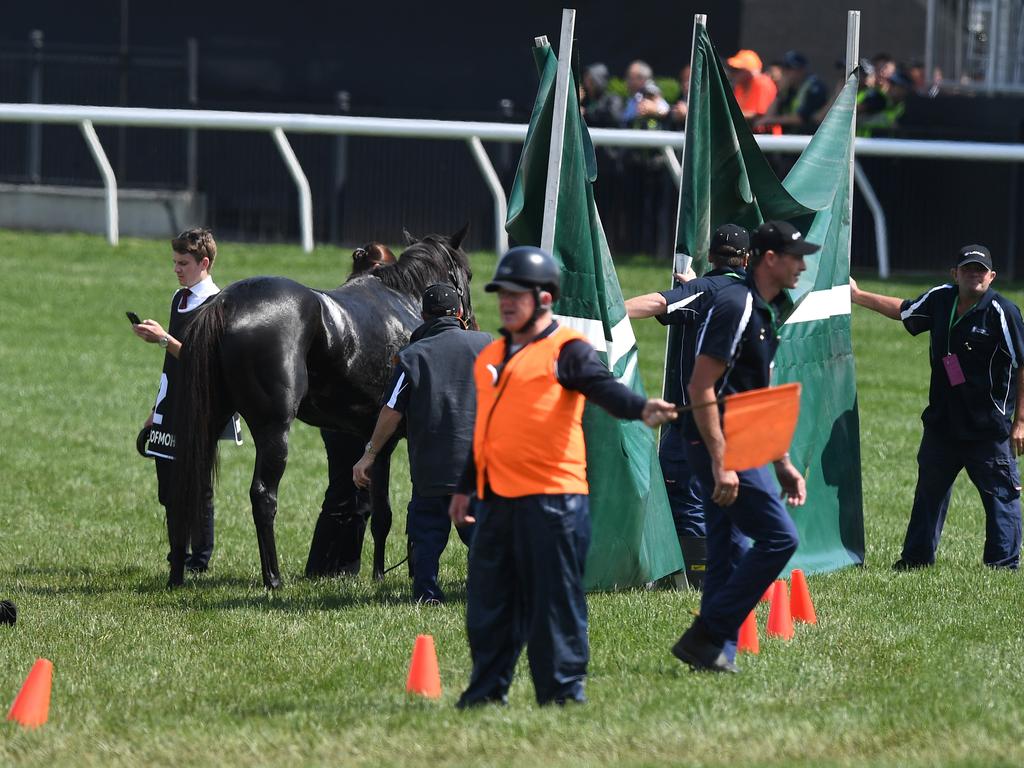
pixel 992 468
pixel 337 544
pixel 737 578
pixel 682 485
pixel 428 526
pixel 199 548
pixel 525 587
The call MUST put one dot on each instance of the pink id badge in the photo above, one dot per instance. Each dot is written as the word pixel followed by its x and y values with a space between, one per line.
pixel 954 372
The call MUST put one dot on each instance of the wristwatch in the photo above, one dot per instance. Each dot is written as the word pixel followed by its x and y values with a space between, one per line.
pixel 164 341
pixel 370 450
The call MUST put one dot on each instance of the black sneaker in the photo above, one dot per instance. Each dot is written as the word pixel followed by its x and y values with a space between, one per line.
pixel 907 565
pixel 697 649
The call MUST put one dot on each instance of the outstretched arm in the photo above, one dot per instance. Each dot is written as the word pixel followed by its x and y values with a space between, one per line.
pixel 648 305
pixel 884 305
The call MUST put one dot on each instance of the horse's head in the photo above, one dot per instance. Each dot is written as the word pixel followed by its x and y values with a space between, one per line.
pixel 433 259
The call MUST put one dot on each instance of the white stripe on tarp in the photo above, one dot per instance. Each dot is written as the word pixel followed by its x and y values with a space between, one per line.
pixel 821 305
pixel 622 341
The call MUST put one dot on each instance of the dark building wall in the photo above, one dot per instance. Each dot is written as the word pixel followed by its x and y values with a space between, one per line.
pixel 412 58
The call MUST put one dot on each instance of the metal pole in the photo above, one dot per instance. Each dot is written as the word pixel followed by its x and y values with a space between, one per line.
pixel 699 20
pixel 191 141
pixel 993 48
pixel 931 19
pixel 339 172
pixel 483 162
pixel 109 180
pixel 676 169
pixel 35 95
pixel 302 184
pixel 852 59
pixel 562 78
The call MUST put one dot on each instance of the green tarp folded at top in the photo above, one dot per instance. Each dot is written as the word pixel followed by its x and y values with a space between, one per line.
pixel 728 179
pixel 633 539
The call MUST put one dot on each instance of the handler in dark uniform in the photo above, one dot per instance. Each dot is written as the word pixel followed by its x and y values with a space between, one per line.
pixel 525 581
pixel 433 390
pixel 337 543
pixel 194 251
pixel 686 305
pixel 975 413
pixel 734 354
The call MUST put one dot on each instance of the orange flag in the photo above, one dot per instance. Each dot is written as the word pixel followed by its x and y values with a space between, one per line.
pixel 759 425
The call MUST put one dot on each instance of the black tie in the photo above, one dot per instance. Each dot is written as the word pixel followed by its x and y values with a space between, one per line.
pixel 183 304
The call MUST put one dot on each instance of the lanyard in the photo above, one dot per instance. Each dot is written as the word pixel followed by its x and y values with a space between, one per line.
pixel 952 322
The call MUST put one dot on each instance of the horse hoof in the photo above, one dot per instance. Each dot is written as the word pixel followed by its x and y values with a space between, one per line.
pixel 378 574
pixel 175 581
pixel 272 583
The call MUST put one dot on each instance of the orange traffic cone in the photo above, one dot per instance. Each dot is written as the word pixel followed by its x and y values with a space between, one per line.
pixel 800 602
pixel 767 596
pixel 424 677
pixel 780 622
pixel 748 642
pixel 31 706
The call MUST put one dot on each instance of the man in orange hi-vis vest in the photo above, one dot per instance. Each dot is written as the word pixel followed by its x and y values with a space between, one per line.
pixel 529 470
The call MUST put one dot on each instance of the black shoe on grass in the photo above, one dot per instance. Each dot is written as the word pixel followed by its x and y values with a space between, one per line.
pixel 907 565
pixel 697 649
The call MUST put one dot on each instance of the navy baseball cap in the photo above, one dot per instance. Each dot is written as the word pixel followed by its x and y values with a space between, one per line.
pixel 441 300
pixel 729 240
pixel 974 254
pixel 782 237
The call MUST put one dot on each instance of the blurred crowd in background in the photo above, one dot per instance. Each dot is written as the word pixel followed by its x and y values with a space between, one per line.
pixel 786 96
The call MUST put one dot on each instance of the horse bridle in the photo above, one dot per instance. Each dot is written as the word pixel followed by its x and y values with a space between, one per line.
pixel 455 275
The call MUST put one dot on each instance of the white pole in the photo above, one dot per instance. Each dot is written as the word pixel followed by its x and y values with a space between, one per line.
pixel 302 184
pixel 699 20
pixel 852 58
pixel 562 79
pixel 109 180
pixel 483 162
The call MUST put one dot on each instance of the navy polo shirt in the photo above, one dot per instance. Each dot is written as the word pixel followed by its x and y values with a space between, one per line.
pixel 988 341
pixel 741 330
pixel 687 307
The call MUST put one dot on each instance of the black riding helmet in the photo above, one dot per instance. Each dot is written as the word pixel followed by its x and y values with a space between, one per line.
pixel 527 268
pixel 524 268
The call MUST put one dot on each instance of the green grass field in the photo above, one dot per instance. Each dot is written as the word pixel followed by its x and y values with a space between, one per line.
pixel 915 669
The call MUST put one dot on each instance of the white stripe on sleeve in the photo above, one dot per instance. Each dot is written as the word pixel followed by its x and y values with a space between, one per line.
pixel 399 386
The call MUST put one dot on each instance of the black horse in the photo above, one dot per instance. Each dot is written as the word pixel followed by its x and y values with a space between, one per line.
pixel 275 351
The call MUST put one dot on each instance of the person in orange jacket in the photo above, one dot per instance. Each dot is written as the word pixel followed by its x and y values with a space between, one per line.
pixel 529 470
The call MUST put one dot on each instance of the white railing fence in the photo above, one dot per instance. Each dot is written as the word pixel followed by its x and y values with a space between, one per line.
pixel 473 133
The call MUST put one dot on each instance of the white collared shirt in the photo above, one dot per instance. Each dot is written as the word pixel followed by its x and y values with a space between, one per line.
pixel 201 291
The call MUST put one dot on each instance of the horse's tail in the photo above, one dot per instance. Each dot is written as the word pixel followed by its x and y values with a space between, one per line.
pixel 201 403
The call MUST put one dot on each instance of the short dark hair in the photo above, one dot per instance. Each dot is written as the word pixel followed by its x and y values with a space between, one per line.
pixel 197 243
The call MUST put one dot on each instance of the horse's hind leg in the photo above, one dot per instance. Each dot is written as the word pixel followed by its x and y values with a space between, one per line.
pixel 271 457
pixel 380 506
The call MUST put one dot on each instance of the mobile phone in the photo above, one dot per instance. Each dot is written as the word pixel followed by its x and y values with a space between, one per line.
pixel 133 318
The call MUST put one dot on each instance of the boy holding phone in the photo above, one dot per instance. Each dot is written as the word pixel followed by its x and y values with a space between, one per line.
pixel 193 254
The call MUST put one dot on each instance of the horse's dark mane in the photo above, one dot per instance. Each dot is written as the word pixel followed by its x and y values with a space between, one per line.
pixel 422 264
